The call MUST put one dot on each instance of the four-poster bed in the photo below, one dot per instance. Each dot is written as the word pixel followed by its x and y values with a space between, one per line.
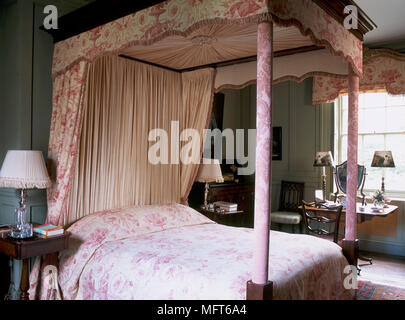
pixel 185 39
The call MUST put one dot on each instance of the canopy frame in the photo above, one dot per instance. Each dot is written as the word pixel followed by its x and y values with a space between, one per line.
pixel 181 17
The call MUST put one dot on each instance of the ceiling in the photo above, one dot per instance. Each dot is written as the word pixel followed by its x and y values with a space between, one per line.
pixel 388 15
pixel 65 6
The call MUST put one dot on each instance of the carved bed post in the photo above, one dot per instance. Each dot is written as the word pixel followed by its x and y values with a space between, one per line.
pixel 259 288
pixel 350 243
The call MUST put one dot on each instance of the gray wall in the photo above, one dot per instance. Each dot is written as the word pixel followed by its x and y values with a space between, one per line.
pixel 25 97
pixel 305 130
pixel 25 91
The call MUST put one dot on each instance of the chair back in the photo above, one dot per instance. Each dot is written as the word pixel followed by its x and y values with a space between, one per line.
pixel 340 173
pixel 317 220
pixel 291 195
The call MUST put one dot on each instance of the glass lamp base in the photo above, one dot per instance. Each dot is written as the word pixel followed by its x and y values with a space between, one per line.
pixel 21 231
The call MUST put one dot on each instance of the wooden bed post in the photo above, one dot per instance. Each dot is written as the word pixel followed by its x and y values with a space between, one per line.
pixel 259 288
pixel 350 242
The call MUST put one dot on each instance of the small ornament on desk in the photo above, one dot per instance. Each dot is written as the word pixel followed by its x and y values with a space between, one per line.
pixel 380 200
pixel 362 208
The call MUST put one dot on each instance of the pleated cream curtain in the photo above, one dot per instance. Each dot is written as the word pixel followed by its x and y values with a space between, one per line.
pixel 197 94
pixel 125 101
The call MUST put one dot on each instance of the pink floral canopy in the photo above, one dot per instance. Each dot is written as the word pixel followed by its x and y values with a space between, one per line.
pixel 181 17
pixel 149 26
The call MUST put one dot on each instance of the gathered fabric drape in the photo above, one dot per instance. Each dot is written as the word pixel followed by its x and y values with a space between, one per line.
pixel 66 121
pixel 101 139
pixel 384 70
pixel 197 95
pixel 126 100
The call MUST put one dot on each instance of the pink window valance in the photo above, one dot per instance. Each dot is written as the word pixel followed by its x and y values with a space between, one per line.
pixel 180 17
pixel 384 69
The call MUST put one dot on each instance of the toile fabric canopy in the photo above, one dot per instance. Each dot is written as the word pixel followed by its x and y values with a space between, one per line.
pixel 224 28
pixel 172 31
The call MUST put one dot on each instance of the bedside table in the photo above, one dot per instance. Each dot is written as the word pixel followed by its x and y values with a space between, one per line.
pixel 23 249
pixel 230 218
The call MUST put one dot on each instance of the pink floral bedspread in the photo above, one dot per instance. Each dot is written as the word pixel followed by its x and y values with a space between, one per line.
pixel 173 252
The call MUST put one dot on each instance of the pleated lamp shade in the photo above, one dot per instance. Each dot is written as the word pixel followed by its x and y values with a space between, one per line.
pixel 209 171
pixel 24 170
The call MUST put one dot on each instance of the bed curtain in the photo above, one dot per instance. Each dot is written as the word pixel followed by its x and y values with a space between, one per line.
pixel 198 93
pixel 101 127
pixel 69 91
pixel 68 96
pixel 125 101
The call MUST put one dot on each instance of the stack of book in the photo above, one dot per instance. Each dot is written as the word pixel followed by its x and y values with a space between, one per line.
pixel 48 230
pixel 226 206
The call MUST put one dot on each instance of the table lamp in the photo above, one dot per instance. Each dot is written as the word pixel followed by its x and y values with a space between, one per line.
pixel 383 159
pixel 324 159
pixel 23 170
pixel 209 171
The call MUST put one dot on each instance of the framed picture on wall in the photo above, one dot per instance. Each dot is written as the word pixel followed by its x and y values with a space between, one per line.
pixel 277 144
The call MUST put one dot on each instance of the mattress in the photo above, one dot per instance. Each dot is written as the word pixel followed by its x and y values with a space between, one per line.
pixel 163 252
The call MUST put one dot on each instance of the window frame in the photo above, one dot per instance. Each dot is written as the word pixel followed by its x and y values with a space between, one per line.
pixel 339 136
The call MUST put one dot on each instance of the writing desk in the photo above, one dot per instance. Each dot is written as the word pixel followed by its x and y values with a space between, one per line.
pixel 364 213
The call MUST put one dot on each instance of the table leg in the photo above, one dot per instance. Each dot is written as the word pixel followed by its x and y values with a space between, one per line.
pixel 7 296
pixel 369 260
pixel 24 283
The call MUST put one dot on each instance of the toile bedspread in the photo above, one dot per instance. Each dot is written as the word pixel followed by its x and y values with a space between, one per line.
pixel 173 252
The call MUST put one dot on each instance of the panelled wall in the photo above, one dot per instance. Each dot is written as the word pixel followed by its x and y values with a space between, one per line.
pixel 25 98
pixel 385 234
pixel 305 130
pixel 25 93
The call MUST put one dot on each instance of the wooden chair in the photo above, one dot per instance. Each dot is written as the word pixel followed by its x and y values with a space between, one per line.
pixel 316 222
pixel 291 195
pixel 340 174
pixel 321 217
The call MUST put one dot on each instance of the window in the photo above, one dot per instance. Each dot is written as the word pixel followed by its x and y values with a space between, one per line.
pixel 381 127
